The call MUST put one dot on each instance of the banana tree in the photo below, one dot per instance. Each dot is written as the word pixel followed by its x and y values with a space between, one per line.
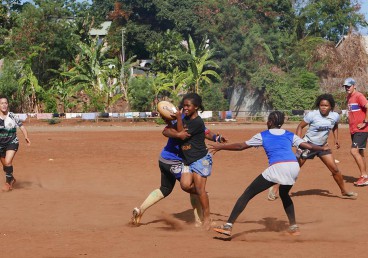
pixel 30 90
pixel 201 68
pixel 94 74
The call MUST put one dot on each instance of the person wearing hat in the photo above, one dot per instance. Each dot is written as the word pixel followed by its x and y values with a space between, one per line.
pixel 358 125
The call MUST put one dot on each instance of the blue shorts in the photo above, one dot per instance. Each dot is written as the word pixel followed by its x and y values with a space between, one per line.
pixel 203 166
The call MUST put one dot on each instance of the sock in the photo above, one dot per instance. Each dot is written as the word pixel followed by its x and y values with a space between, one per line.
pixel 229 224
pixel 9 178
pixel 197 208
pixel 8 173
pixel 152 198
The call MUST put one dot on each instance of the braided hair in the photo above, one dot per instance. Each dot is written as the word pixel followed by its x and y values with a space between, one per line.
pixel 276 119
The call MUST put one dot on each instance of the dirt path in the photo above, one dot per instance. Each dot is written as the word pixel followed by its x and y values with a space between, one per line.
pixel 77 186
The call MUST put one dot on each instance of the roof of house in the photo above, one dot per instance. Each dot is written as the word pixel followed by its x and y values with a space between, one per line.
pixel 102 30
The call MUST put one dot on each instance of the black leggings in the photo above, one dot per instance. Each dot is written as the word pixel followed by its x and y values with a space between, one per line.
pixel 257 186
pixel 167 179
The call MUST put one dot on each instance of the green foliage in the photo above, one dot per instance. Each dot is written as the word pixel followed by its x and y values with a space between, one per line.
pixel 296 90
pixel 201 68
pixel 265 44
pixel 165 51
pixel 247 35
pixel 331 19
pixel 301 53
pixel 49 101
pixel 53 121
pixel 213 98
pixel 141 93
pixel 9 84
pixel 45 25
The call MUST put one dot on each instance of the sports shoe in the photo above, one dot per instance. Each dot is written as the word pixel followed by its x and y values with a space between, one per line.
pixel 362 181
pixel 350 195
pixel 224 229
pixel 136 216
pixel 293 230
pixel 271 194
pixel 9 186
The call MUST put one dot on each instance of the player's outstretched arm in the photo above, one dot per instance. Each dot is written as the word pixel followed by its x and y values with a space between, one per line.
pixel 230 147
pixel 215 137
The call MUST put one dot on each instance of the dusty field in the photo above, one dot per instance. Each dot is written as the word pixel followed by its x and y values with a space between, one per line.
pixel 77 185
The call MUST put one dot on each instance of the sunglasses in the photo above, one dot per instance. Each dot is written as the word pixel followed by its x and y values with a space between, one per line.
pixel 347 86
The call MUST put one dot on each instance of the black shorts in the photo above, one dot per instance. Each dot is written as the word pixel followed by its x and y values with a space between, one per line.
pixel 310 154
pixel 11 146
pixel 359 140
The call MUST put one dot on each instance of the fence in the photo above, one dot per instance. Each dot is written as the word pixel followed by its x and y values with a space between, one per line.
pixel 221 116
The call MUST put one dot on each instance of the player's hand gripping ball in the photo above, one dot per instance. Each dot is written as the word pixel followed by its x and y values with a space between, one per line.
pixel 167 110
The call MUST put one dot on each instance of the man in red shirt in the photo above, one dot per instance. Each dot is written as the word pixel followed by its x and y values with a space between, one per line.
pixel 358 125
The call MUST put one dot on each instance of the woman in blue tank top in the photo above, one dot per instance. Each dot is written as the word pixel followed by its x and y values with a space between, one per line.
pixel 283 168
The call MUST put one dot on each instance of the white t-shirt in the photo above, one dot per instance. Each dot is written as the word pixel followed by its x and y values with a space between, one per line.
pixel 320 126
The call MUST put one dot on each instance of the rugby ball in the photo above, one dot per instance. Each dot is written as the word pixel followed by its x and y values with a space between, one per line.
pixel 166 109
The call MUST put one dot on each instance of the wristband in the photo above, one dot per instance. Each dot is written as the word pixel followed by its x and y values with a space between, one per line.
pixel 214 138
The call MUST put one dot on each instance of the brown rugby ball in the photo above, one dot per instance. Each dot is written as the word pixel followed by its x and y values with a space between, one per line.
pixel 166 109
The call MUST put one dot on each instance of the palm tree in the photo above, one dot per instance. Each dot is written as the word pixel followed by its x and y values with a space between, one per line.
pixel 201 68
pixel 93 73
pixel 28 82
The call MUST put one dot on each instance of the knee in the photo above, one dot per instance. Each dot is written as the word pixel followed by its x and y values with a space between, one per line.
pixel 165 190
pixel 185 187
pixel 7 164
pixel 334 170
pixel 284 193
pixel 354 151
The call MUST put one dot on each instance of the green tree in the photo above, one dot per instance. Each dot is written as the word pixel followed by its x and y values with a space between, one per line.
pixel 331 19
pixel 91 73
pixel 63 91
pixel 141 93
pixel 175 84
pixel 48 25
pixel 247 35
pixel 9 85
pixel 165 51
pixel 201 68
pixel 147 21
pixel 213 97
pixel 286 91
pixel 30 90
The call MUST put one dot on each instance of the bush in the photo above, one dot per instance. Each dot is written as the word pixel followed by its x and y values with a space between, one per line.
pixel 213 98
pixel 53 121
pixel 141 93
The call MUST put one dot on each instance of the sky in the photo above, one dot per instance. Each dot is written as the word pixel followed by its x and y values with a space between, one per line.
pixel 364 10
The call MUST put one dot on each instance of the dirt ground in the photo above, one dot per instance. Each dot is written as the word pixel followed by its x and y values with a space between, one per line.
pixel 78 183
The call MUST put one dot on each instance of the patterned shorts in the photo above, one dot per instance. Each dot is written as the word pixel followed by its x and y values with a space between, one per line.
pixel 202 167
